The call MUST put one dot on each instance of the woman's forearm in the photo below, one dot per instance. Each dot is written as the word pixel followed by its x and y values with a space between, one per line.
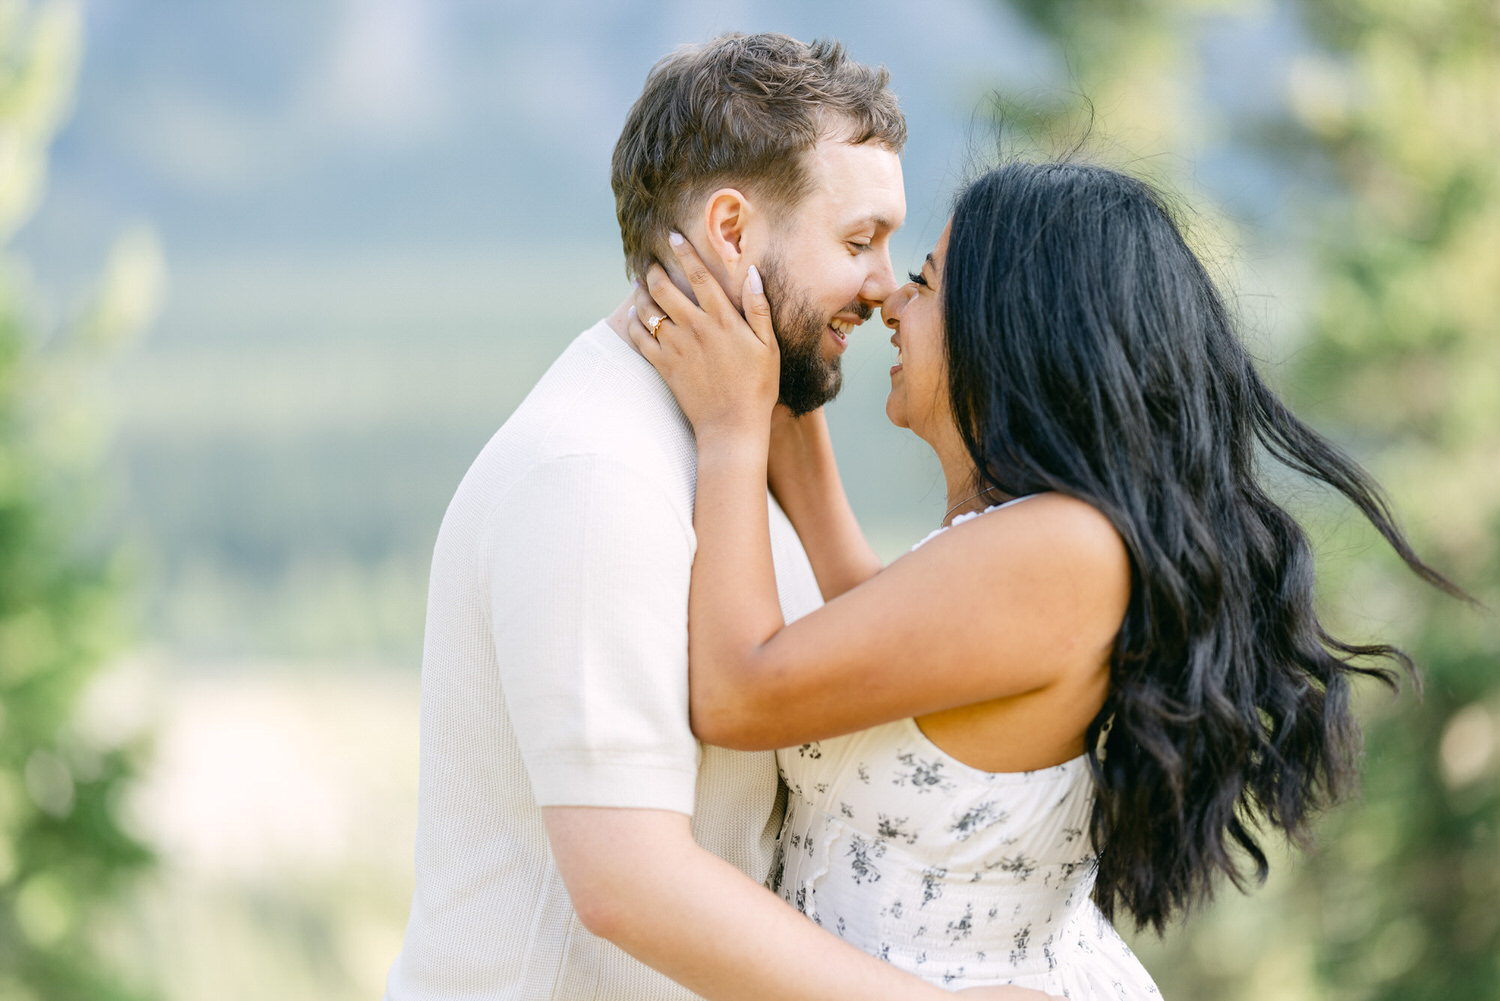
pixel 733 606
pixel 804 477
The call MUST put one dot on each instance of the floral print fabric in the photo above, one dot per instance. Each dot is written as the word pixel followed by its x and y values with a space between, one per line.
pixel 963 877
pixel 960 876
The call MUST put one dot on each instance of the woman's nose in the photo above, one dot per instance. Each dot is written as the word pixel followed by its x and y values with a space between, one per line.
pixel 890 310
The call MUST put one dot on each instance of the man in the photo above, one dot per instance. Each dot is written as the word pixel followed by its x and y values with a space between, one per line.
pixel 561 787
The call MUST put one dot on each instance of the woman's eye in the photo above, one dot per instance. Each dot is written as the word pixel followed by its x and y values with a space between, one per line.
pixel 916 278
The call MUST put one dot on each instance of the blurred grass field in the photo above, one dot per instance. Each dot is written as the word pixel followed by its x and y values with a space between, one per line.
pixel 282 799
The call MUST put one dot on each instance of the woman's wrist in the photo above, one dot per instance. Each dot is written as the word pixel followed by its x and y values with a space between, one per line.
pixel 732 451
pixel 733 434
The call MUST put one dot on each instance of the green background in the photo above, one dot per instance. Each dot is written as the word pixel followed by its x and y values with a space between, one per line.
pixel 273 275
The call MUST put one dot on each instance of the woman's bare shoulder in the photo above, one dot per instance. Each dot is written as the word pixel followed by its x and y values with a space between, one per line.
pixel 1061 543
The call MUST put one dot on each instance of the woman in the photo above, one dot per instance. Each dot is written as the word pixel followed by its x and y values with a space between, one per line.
pixel 1107 660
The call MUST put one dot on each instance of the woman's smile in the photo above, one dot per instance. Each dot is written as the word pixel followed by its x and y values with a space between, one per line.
pixel 918 400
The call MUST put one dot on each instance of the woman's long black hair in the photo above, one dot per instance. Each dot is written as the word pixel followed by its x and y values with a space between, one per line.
pixel 1090 353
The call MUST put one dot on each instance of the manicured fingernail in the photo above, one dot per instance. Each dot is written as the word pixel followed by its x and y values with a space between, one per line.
pixel 635 283
pixel 631 313
pixel 675 238
pixel 755 285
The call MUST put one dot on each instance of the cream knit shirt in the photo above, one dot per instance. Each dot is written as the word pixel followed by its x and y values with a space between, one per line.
pixel 554 673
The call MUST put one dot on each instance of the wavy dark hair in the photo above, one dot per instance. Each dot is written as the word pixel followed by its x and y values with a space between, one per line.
pixel 1090 353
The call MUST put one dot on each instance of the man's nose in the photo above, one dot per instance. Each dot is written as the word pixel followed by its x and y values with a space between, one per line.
pixel 881 282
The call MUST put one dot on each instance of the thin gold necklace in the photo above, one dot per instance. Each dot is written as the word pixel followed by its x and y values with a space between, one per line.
pixel 962 503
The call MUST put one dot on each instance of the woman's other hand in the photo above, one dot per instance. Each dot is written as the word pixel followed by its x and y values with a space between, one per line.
pixel 723 368
pixel 801 457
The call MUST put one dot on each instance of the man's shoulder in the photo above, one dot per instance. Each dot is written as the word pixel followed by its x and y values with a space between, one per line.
pixel 599 395
pixel 600 406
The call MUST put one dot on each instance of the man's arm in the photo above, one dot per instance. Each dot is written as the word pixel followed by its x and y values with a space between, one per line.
pixel 587 573
pixel 637 878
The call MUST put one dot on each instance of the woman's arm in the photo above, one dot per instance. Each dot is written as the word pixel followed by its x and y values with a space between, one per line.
pixel 1009 604
pixel 805 479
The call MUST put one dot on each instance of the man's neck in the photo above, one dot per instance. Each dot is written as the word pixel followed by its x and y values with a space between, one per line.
pixel 619 320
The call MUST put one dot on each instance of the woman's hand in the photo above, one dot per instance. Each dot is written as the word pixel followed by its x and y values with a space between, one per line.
pixel 1007 993
pixel 797 448
pixel 724 371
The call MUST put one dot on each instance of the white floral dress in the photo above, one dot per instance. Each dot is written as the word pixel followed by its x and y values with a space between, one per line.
pixel 960 876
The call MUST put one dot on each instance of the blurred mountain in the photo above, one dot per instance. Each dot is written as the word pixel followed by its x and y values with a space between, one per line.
pixel 321 128
pixel 384 218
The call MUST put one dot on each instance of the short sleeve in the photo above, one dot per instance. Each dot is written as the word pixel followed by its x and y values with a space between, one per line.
pixel 587 564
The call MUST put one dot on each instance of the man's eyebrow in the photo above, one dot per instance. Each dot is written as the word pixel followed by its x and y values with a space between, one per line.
pixel 879 222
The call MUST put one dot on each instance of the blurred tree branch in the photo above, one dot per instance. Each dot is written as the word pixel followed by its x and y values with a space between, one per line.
pixel 1392 118
pixel 64 852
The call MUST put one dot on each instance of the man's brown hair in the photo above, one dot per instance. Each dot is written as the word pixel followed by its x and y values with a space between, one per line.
pixel 740 110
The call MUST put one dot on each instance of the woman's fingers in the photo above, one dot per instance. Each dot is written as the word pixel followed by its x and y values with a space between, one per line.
pixel 758 309
pixel 683 319
pixel 652 315
pixel 660 296
pixel 721 368
pixel 706 288
pixel 667 297
pixel 645 342
pixel 644 304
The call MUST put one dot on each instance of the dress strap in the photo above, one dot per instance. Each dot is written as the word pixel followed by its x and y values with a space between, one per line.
pixel 970 517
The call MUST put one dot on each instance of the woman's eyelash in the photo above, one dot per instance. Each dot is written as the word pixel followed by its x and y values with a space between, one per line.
pixel 916 278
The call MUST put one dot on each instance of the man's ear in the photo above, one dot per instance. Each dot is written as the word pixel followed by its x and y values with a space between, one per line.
pixel 726 217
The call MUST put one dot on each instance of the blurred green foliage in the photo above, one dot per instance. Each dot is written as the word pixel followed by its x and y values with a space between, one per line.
pixel 1392 117
pixel 63 768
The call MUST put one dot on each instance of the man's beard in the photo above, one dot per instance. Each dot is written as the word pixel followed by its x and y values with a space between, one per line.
pixel 808 379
